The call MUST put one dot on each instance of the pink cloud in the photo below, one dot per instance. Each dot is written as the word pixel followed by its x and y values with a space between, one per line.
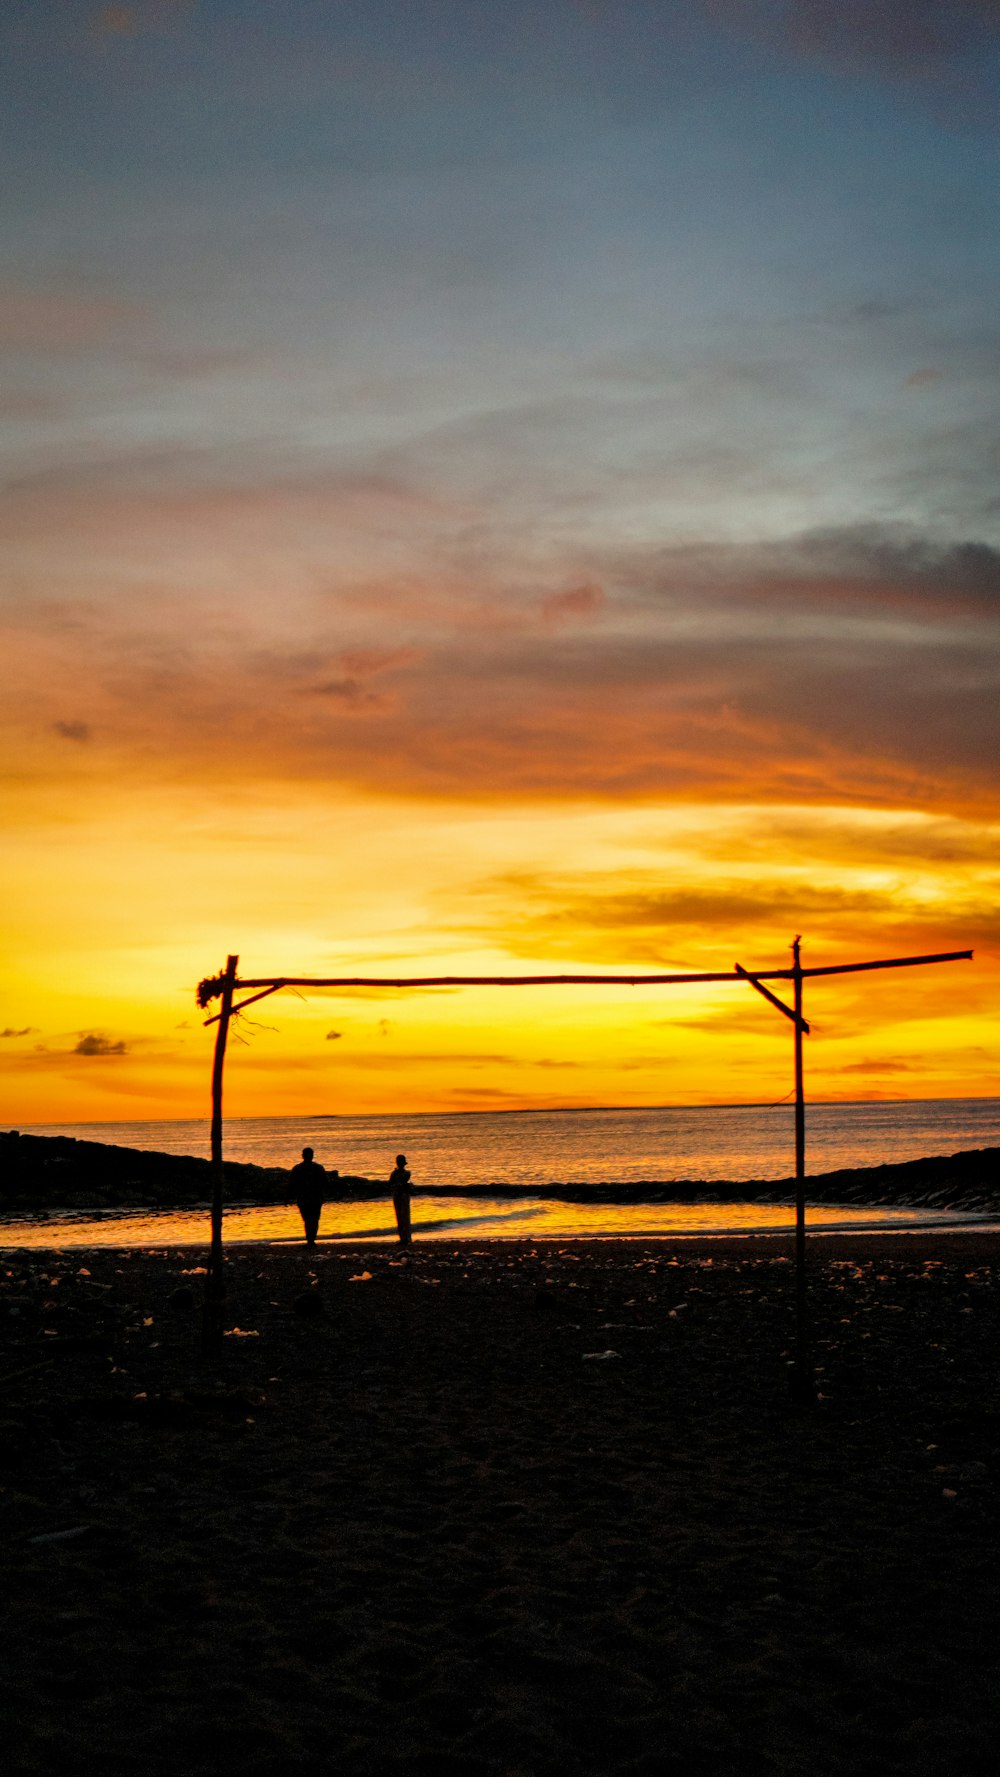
pixel 116 21
pixel 574 605
pixel 38 320
pixel 913 38
pixel 24 404
pixel 368 662
pixel 138 17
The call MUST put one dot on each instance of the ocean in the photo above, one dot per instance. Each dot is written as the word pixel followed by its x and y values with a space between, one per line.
pixel 534 1148
pixel 658 1143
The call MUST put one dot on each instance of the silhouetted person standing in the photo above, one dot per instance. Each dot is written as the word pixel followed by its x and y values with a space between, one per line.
pixel 399 1185
pixel 309 1178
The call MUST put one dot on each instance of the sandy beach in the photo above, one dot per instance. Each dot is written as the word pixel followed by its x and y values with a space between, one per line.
pixel 503 1509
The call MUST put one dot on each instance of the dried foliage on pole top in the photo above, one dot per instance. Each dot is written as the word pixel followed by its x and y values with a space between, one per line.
pixel 210 989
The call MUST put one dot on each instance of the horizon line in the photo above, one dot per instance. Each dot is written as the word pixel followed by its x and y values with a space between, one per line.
pixel 513 1111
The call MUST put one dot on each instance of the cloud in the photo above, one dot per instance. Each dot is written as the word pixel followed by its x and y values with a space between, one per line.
pixel 361 665
pixel 941 54
pixel 368 662
pixel 92 1044
pixel 116 21
pixel 827 841
pixel 351 693
pixel 40 320
pixel 874 308
pixel 201 366
pixel 28 1031
pixel 660 926
pixel 879 718
pixel 909 37
pixel 727 1022
pixel 27 404
pixel 852 664
pixel 862 570
pixel 880 566
pixel 717 918
pixel 138 17
pixel 404 1058
pixel 872 1066
pixel 575 605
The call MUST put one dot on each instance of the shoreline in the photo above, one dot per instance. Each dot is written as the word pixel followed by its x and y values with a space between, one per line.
pixel 725 1242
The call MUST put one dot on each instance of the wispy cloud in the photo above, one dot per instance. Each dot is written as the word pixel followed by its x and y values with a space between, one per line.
pixel 138 17
pixel 911 38
pixel 666 928
pixel 829 842
pixel 42 320
pixel 873 1065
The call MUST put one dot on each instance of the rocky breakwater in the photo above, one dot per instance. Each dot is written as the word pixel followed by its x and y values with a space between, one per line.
pixel 966 1181
pixel 41 1173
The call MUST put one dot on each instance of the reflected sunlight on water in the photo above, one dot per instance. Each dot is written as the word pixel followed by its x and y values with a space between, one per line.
pixel 440 1218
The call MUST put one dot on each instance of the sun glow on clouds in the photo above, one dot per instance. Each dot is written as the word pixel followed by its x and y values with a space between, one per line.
pixel 481 498
pixel 307 884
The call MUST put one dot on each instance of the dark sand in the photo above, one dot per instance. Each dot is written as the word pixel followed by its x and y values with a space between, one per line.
pixel 423 1531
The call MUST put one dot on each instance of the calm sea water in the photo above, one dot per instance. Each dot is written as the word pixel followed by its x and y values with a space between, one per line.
pixel 723 1142
pixel 534 1148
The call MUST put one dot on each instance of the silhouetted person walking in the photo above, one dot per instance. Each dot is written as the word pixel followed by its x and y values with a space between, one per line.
pixel 309 1178
pixel 399 1185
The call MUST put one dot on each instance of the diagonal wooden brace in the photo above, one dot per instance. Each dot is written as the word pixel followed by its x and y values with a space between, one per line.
pixel 768 995
pixel 254 996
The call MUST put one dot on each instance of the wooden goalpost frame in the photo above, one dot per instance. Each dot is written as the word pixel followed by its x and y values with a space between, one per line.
pixel 226 985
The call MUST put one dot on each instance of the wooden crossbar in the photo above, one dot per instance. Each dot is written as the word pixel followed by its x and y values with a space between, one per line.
pixel 267 984
pixel 481 980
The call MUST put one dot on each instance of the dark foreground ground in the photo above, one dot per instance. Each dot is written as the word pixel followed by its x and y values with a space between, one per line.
pixel 506 1509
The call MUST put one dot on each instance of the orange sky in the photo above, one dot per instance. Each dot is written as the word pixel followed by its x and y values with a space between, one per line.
pixel 492 494
pixel 101 1021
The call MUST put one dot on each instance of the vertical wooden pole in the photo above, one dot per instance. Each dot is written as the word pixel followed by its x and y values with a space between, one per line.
pixel 215 1288
pixel 802 1378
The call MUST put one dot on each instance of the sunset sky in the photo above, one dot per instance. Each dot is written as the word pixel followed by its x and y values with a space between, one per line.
pixel 492 488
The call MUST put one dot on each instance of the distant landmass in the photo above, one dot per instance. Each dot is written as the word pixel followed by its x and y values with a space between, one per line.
pixel 40 1174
